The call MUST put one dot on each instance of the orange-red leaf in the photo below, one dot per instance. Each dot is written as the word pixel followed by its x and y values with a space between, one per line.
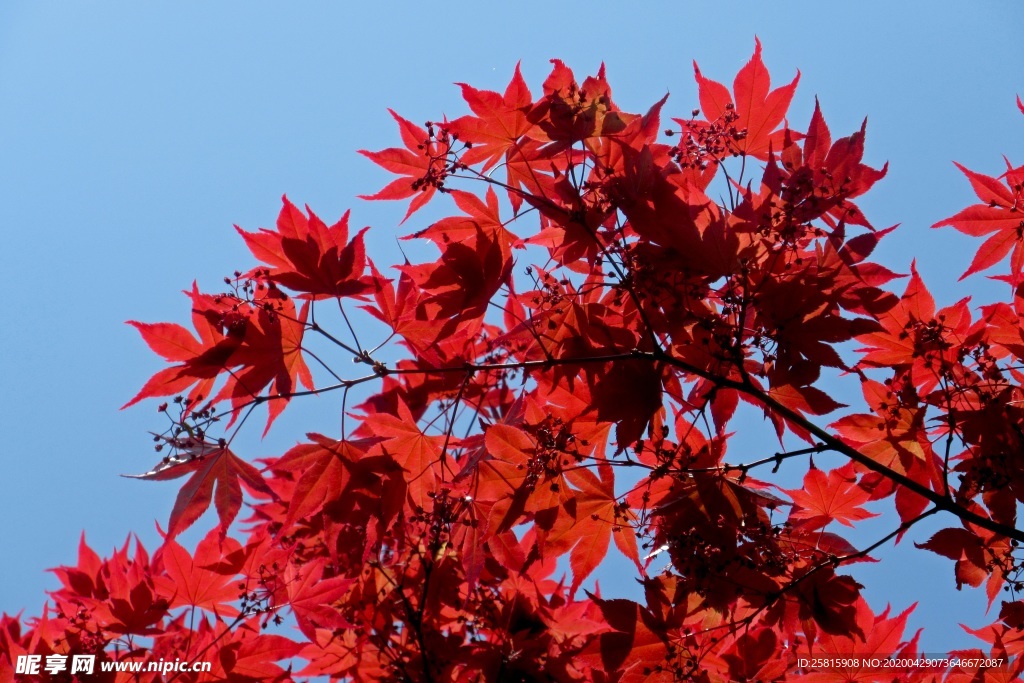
pixel 417 453
pixel 826 498
pixel 499 122
pixel 760 109
pixel 312 597
pixel 198 581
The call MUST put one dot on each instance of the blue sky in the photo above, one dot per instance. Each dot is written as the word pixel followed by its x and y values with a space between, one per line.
pixel 133 135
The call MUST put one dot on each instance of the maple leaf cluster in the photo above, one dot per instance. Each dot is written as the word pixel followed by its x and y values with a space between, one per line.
pixel 564 377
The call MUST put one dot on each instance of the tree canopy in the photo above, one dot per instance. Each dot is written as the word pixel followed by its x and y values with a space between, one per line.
pixel 562 375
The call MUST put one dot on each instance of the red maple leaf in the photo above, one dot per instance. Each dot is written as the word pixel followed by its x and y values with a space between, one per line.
pixel 212 466
pixel 423 163
pixel 917 337
pixel 570 112
pixel 893 435
pixel 199 580
pixel 633 643
pixel 117 594
pixel 760 111
pixel 599 518
pixel 824 176
pixel 418 454
pixel 399 309
pixel 966 548
pixel 500 132
pixel 307 256
pixel 469 273
pixel 253 657
pixel 256 344
pixel 500 123
pixel 480 218
pixel 323 471
pixel 311 597
pixel 827 498
pixel 999 214
pixel 270 356
pixel 246 652
pixel 200 360
pixel 979 556
pixel 522 477
pixel 344 655
pixel 500 120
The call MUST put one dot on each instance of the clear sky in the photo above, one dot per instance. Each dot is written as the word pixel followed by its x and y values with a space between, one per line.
pixel 134 134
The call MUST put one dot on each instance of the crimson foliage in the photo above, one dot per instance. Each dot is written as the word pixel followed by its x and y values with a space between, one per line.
pixel 538 415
